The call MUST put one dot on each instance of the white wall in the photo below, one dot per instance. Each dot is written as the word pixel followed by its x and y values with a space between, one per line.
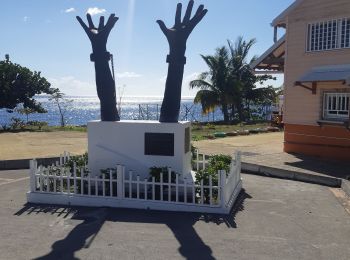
pixel 112 143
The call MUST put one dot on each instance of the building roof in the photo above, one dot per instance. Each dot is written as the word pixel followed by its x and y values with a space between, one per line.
pixel 327 74
pixel 272 60
pixel 280 20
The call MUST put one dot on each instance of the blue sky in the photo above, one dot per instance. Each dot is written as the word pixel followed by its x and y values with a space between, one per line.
pixel 45 36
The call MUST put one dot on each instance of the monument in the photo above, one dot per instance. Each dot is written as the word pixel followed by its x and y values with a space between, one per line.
pixel 177 38
pixel 100 56
pixel 139 145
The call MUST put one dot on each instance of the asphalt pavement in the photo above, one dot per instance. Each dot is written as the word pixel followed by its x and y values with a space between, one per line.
pixel 272 219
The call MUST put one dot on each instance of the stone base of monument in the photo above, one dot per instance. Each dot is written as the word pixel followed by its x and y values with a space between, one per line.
pixel 139 145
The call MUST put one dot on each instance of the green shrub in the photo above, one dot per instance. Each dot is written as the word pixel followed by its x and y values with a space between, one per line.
pixel 38 124
pixel 215 164
pixel 17 123
pixel 156 171
pixel 80 160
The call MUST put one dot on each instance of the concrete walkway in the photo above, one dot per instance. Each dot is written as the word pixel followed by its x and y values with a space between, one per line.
pixel 266 150
pixel 272 219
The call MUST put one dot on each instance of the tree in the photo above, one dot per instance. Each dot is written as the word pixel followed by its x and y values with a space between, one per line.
pixel 230 83
pixel 18 85
pixel 62 104
pixel 214 84
pixel 25 111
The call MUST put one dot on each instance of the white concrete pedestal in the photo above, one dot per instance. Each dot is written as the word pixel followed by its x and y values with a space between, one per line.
pixel 112 143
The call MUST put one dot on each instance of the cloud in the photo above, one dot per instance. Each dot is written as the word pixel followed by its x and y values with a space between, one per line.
pixel 73 86
pixel 26 19
pixel 70 10
pixel 128 74
pixel 95 10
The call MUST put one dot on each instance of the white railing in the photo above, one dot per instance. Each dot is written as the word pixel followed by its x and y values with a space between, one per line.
pixel 59 184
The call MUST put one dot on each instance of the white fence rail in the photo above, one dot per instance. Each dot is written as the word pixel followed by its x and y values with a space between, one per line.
pixel 58 184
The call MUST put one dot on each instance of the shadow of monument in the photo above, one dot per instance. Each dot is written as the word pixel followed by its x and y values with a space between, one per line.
pixel 181 225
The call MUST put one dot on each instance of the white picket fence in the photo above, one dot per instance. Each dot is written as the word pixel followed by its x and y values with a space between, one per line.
pixel 58 184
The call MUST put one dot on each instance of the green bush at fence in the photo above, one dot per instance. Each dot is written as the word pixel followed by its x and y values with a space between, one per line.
pixel 156 172
pixel 81 161
pixel 215 164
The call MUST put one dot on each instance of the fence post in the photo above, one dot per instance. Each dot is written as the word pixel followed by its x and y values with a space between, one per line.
pixel 75 177
pixel 32 173
pixel 120 181
pixel 203 161
pixel 110 184
pixel 239 163
pixel 222 187
pixel 130 184
pixel 161 186
pixel 169 184
pixel 197 160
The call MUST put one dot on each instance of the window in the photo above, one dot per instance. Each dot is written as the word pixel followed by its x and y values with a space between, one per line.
pixel 336 106
pixel 329 35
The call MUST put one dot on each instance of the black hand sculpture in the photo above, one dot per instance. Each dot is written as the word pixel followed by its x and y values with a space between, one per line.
pixel 104 81
pixel 177 37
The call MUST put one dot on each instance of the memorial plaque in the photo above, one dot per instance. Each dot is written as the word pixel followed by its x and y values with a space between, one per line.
pixel 187 140
pixel 159 144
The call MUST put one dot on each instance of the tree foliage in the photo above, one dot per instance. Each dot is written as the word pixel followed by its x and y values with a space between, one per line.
pixel 62 103
pixel 18 85
pixel 230 82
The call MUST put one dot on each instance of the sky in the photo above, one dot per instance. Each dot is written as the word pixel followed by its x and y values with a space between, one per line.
pixel 45 36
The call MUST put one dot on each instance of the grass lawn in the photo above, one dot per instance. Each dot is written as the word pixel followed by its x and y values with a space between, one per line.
pixel 202 131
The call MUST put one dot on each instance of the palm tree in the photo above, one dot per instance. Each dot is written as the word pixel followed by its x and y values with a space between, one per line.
pixel 230 82
pixel 214 84
pixel 242 78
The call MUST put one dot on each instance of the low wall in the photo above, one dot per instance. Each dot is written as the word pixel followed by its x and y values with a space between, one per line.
pixel 331 142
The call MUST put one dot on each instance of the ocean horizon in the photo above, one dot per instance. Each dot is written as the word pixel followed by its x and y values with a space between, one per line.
pixel 83 109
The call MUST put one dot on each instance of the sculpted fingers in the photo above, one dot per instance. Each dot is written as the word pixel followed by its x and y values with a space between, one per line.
pixel 111 22
pixel 86 29
pixel 188 11
pixel 163 27
pixel 102 23
pixel 201 12
pixel 178 15
pixel 91 24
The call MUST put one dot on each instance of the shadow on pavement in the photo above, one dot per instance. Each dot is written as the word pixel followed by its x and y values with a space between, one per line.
pixel 181 224
pixel 331 168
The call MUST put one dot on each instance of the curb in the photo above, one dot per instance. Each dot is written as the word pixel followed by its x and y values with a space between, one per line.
pixel 24 163
pixel 346 187
pixel 291 175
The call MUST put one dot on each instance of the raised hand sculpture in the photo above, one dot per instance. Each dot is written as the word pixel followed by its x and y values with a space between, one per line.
pixel 104 81
pixel 177 37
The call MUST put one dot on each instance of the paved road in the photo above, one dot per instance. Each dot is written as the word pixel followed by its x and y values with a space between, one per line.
pixel 273 219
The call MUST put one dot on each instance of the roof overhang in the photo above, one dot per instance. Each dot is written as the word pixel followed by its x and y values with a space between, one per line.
pixel 281 20
pixel 272 61
pixel 327 74
pixel 333 73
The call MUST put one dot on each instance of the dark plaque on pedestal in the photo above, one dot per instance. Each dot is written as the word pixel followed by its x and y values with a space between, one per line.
pixel 159 144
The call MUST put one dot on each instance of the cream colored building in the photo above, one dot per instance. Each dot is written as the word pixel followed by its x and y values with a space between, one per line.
pixel 314 55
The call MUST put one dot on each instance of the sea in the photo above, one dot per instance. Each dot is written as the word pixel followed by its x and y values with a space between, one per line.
pixel 82 109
